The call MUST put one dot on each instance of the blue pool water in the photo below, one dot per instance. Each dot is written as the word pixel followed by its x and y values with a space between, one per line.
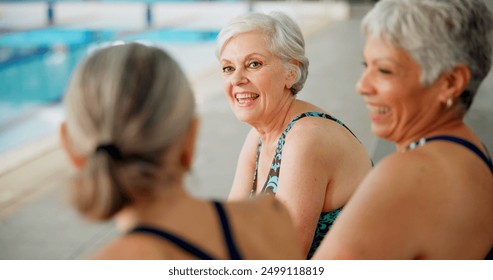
pixel 36 65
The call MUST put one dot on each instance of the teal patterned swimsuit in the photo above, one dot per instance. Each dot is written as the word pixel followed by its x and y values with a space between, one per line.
pixel 270 187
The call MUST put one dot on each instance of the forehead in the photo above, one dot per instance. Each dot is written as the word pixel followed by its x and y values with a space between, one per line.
pixel 246 43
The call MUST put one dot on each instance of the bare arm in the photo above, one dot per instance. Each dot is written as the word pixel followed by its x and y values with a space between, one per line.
pixel 267 236
pixel 304 177
pixel 242 183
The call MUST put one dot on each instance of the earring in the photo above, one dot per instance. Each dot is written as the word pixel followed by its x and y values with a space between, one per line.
pixel 449 103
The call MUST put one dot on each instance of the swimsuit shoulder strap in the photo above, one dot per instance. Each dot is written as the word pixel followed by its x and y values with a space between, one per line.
pixel 183 244
pixel 466 144
pixel 192 249
pixel 314 114
pixel 490 255
pixel 234 254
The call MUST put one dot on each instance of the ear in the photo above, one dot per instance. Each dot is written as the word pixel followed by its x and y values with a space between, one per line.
pixel 454 82
pixel 292 75
pixel 189 144
pixel 75 159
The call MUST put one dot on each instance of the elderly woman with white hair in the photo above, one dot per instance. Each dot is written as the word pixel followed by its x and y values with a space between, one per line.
pixel 433 198
pixel 130 132
pixel 295 150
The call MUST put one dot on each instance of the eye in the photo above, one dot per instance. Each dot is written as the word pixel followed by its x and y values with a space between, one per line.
pixel 254 64
pixel 384 71
pixel 365 65
pixel 227 69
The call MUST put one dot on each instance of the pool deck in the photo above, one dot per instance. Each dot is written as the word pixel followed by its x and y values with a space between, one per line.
pixel 37 223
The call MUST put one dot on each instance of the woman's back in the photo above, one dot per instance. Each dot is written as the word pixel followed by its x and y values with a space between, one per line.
pixel 269 236
pixel 431 201
pixel 460 187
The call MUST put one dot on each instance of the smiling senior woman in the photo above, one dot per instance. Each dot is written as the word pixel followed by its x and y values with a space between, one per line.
pixel 433 199
pixel 295 150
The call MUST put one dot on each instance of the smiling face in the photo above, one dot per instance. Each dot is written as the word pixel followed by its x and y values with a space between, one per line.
pixel 255 81
pixel 400 108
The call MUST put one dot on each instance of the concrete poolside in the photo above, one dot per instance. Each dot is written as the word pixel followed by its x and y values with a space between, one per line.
pixel 35 221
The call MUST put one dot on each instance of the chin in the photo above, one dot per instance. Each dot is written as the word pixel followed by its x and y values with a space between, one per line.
pixel 241 116
pixel 380 132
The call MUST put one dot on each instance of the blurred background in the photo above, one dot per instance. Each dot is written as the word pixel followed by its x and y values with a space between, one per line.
pixel 42 41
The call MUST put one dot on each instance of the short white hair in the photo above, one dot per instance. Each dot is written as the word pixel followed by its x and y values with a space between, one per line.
pixel 439 35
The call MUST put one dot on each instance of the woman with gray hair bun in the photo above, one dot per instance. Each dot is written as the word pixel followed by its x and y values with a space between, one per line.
pixel 295 150
pixel 130 132
pixel 433 198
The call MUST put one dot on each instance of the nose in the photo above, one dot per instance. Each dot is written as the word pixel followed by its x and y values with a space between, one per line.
pixel 363 86
pixel 238 78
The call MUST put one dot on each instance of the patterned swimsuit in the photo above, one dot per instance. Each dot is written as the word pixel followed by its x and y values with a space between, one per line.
pixel 326 219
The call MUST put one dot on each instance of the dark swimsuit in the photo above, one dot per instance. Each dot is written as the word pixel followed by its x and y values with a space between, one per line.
pixel 486 158
pixel 190 248
pixel 326 219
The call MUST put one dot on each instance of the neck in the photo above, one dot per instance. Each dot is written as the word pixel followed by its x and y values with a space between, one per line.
pixel 271 129
pixel 453 126
pixel 152 209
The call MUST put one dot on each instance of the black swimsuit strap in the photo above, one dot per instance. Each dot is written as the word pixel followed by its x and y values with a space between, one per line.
pixel 232 249
pixel 192 249
pixel 466 144
pixel 490 255
pixel 316 114
pixel 185 245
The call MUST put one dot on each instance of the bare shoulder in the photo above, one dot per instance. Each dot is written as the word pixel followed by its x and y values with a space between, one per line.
pixel 327 143
pixel 411 177
pixel 408 165
pixel 264 228
pixel 328 131
pixel 131 247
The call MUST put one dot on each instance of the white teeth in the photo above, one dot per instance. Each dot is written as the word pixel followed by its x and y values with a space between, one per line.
pixel 246 95
pixel 379 109
pixel 243 98
pixel 383 110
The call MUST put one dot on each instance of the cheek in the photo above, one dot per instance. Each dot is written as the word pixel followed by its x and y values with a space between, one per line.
pixel 388 88
pixel 226 85
pixel 272 85
pixel 392 92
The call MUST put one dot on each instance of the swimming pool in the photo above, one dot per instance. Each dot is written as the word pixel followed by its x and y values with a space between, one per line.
pixel 36 65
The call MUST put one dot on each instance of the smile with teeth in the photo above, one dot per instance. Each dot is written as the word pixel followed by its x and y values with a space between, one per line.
pixel 244 98
pixel 380 110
